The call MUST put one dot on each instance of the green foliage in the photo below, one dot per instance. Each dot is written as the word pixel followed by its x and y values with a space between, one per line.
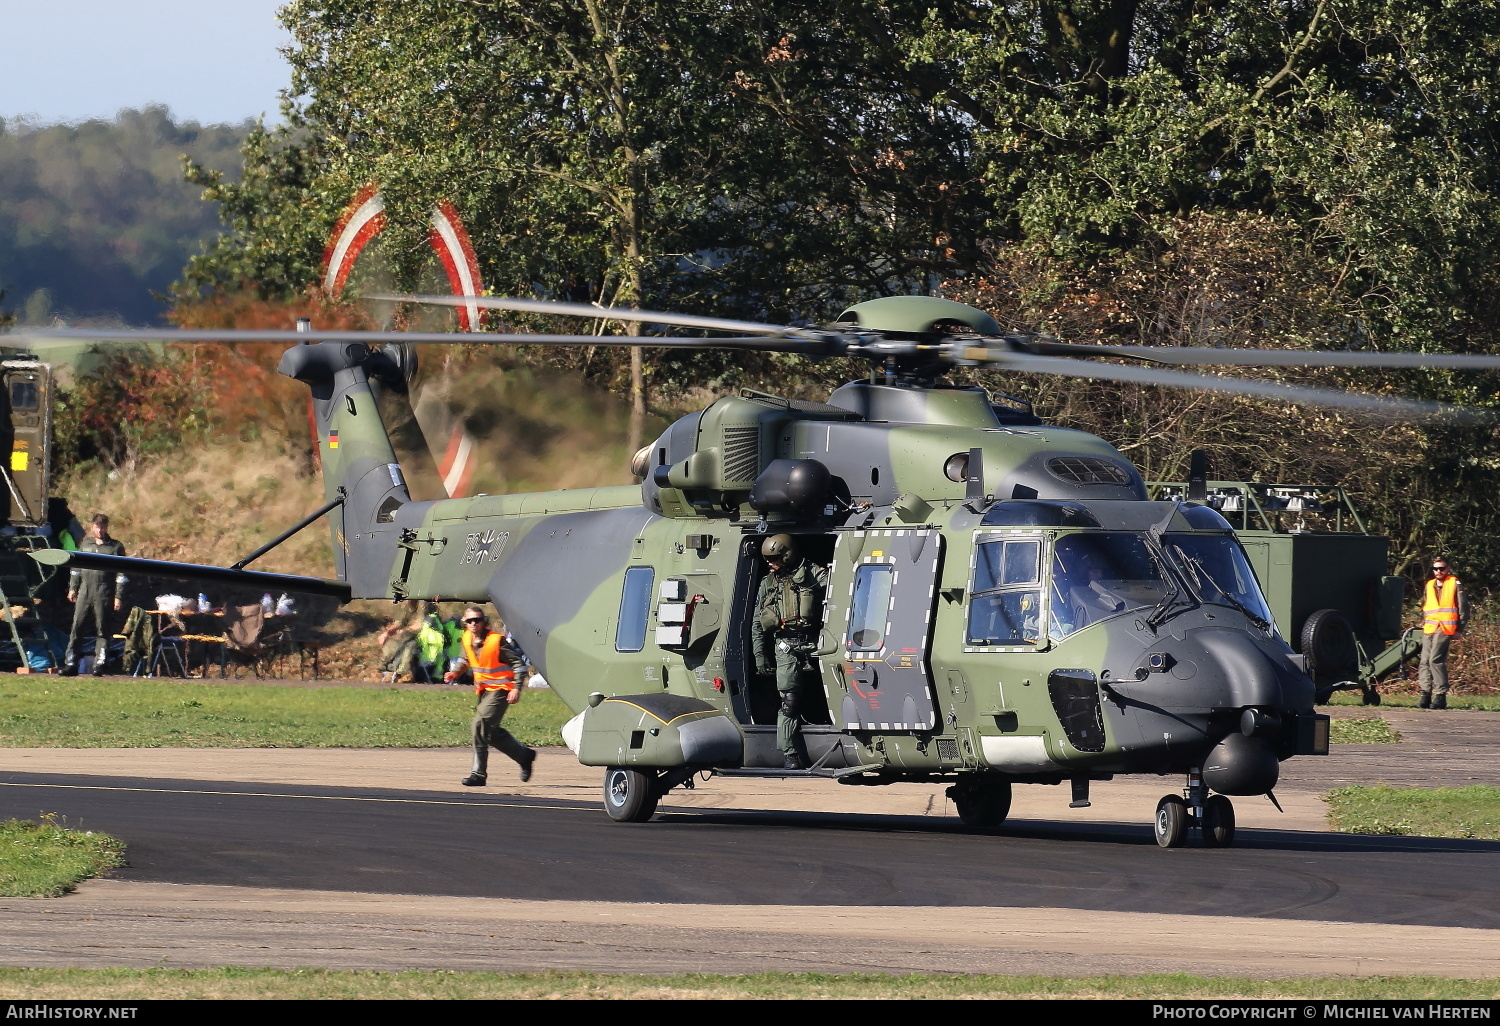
pixel 46 859
pixel 77 713
pixel 1362 732
pixel 1242 280
pixel 95 217
pixel 1308 173
pixel 617 149
pixel 135 403
pixel 1468 812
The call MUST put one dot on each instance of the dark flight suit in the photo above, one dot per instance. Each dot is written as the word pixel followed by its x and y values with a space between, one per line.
pixel 96 591
pixel 788 613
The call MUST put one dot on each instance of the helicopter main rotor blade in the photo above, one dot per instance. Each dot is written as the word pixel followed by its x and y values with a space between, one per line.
pixel 1328 397
pixel 609 313
pixel 45 338
pixel 1269 358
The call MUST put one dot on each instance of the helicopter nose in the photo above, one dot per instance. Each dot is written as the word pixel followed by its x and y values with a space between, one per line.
pixel 1249 676
pixel 1252 679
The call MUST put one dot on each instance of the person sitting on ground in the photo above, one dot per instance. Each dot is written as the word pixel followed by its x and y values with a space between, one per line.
pixel 432 642
pixel 398 643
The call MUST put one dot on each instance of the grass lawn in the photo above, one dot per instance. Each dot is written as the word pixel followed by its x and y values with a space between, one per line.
pixel 43 860
pixel 1362 732
pixel 1404 701
pixel 1467 812
pixel 231 984
pixel 86 712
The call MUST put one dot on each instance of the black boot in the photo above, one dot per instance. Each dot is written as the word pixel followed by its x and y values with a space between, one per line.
pixel 1425 702
pixel 1440 702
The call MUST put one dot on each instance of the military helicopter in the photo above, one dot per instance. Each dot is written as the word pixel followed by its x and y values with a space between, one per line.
pixel 1005 605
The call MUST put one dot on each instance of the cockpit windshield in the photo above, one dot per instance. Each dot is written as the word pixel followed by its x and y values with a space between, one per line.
pixel 1215 566
pixel 1097 575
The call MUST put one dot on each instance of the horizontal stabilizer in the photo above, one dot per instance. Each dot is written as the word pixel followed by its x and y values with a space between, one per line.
pixel 193 572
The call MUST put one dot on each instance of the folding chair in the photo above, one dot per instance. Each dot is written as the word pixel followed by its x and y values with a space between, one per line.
pixel 243 626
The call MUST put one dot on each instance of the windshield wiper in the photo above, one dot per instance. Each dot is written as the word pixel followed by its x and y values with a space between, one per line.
pixel 1163 609
pixel 1196 567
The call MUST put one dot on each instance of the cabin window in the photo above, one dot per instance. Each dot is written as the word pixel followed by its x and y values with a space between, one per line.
pixel 1005 607
pixel 1099 575
pixel 1218 570
pixel 871 607
pixel 635 606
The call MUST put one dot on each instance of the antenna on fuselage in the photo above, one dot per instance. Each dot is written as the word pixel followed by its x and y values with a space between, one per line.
pixel 1197 490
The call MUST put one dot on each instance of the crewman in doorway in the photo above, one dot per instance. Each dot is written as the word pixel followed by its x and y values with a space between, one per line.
pixel 788 616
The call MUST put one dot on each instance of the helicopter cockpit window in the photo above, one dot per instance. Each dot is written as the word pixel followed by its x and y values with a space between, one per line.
pixel 1095 576
pixel 1203 518
pixel 1006 598
pixel 871 607
pixel 1216 567
pixel 24 395
pixel 635 606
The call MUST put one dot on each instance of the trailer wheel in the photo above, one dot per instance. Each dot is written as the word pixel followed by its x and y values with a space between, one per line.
pixel 1328 645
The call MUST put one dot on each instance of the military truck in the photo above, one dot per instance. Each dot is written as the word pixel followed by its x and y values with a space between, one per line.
pixel 30 512
pixel 1324 576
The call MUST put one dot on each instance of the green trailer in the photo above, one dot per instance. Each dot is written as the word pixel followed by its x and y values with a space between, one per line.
pixel 1323 573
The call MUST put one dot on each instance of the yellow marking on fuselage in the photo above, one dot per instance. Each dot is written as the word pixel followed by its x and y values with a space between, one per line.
pixel 658 719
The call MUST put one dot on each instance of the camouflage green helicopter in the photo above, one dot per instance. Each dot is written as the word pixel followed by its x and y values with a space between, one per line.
pixel 1004 604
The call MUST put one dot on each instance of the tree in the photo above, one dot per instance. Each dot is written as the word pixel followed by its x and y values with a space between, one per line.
pixel 701 154
pixel 95 217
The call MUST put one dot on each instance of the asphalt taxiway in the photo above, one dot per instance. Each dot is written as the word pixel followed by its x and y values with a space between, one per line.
pixel 379 860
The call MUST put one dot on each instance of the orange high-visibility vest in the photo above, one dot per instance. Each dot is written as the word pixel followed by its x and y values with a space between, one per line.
pixel 491 672
pixel 1440 612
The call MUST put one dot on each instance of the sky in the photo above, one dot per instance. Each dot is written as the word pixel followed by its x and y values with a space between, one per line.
pixel 210 61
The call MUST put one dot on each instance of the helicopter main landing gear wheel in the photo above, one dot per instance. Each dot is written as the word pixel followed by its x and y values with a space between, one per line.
pixel 1217 822
pixel 630 796
pixel 980 803
pixel 1171 823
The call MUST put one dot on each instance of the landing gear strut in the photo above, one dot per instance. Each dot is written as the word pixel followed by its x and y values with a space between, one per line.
pixel 1213 815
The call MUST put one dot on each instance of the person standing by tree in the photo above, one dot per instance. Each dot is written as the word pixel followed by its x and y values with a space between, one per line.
pixel 1445 614
pixel 499 677
pixel 90 590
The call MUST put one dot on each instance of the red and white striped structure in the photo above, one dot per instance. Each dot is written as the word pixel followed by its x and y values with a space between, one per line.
pixel 362 220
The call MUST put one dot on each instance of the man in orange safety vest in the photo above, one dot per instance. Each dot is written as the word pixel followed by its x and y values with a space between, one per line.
pixel 499 671
pixel 1445 613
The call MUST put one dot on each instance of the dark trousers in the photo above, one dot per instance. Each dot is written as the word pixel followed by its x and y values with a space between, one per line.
pixel 488 732
pixel 96 605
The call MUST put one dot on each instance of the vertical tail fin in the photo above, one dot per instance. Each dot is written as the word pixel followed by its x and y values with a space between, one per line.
pixel 357 456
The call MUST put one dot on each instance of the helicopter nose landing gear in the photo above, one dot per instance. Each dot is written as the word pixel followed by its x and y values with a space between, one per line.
pixel 1212 814
pixel 1171 821
pixel 630 796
